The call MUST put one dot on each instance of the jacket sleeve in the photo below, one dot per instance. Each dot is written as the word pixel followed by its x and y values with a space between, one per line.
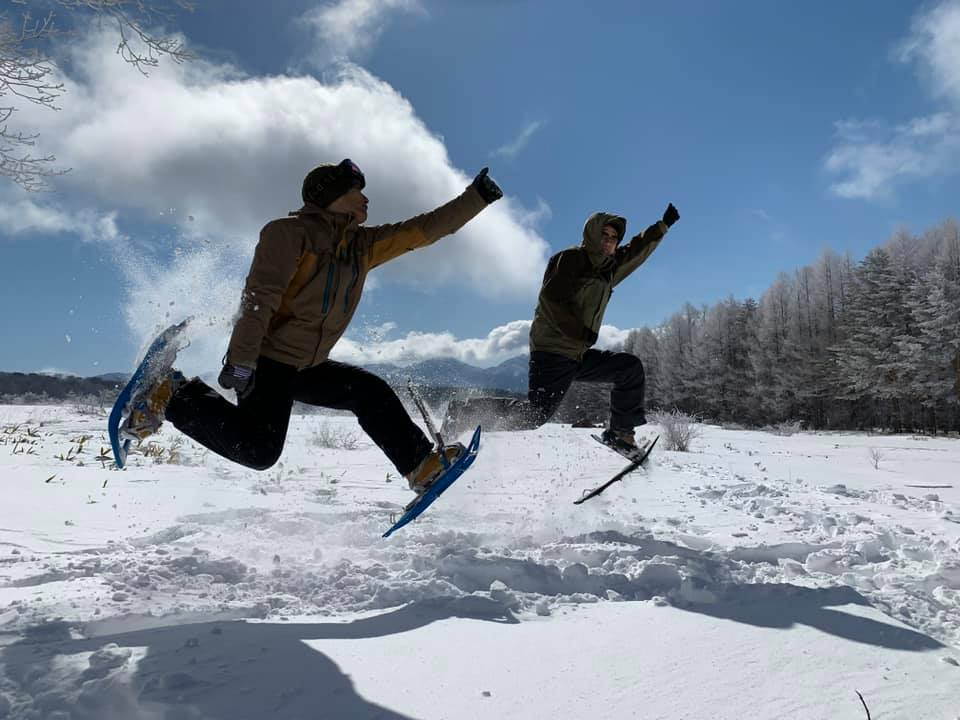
pixel 634 253
pixel 560 284
pixel 275 261
pixel 389 241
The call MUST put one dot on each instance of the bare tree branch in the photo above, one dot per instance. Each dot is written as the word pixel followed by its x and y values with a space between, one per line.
pixel 132 17
pixel 27 68
pixel 27 171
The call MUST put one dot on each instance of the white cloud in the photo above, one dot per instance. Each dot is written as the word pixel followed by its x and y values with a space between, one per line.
pixel 348 28
pixel 534 216
pixel 934 41
pixel 871 157
pixel 513 148
pixel 20 215
pixel 501 343
pixel 56 372
pixel 219 154
pixel 611 336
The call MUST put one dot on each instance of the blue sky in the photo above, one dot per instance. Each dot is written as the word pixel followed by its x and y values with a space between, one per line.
pixel 778 129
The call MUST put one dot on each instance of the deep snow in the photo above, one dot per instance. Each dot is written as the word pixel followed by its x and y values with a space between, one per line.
pixel 758 576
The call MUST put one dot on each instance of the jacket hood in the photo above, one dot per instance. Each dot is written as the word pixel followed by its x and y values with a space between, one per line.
pixel 592 233
pixel 337 224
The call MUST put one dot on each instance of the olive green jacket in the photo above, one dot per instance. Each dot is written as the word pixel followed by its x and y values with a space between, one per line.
pixel 578 283
pixel 308 272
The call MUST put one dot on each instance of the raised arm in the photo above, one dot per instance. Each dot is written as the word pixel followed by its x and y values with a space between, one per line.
pixel 389 241
pixel 632 255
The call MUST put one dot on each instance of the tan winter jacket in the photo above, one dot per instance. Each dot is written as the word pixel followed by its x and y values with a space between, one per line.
pixel 578 283
pixel 308 272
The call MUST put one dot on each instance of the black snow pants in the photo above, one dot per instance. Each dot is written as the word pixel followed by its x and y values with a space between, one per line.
pixel 550 378
pixel 252 432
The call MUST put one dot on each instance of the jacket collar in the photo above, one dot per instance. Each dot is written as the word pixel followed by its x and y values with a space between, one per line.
pixel 337 220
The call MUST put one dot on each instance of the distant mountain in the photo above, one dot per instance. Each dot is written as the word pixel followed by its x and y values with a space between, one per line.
pixel 14 386
pixel 112 377
pixel 508 376
pixel 511 374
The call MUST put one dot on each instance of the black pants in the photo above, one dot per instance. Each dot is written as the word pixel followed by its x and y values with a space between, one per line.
pixel 550 378
pixel 252 432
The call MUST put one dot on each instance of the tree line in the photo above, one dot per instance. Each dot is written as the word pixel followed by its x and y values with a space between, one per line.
pixel 835 345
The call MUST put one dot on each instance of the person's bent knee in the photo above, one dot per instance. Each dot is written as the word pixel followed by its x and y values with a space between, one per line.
pixel 634 368
pixel 263 460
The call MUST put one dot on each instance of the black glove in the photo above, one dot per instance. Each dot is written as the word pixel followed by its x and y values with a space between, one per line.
pixel 670 215
pixel 487 188
pixel 238 378
pixel 589 336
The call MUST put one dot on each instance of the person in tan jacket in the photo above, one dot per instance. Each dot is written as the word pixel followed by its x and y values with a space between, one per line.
pixel 304 284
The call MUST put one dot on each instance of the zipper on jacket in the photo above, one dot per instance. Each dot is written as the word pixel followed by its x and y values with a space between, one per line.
pixel 607 284
pixel 353 281
pixel 596 315
pixel 326 290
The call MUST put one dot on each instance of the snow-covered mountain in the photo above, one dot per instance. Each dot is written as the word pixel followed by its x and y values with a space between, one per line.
pixel 510 375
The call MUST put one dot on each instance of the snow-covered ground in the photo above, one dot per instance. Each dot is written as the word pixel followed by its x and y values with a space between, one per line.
pixel 756 577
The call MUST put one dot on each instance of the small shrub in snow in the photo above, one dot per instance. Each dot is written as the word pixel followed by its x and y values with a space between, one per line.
pixel 171 453
pixel 875 457
pixel 784 429
pixel 335 437
pixel 93 405
pixel 679 429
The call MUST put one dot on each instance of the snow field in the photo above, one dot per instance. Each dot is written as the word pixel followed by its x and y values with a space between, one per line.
pixel 109 579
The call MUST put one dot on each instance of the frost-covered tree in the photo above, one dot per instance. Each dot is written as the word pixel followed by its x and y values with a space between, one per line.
pixel 676 364
pixel 645 344
pixel 835 344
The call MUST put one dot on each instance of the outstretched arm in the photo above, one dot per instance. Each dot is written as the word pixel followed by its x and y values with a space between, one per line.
pixel 632 255
pixel 389 241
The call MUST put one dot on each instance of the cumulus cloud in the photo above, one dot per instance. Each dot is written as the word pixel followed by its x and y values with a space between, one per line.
pixel 871 157
pixel 611 337
pixel 501 343
pixel 216 154
pixel 349 28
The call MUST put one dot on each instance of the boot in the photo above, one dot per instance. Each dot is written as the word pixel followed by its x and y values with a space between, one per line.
pixel 620 440
pixel 430 468
pixel 148 411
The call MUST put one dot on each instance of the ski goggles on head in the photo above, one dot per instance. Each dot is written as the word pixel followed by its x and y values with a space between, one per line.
pixel 351 175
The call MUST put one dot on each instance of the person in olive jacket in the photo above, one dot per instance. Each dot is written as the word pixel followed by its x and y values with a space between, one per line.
pixel 303 287
pixel 577 286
